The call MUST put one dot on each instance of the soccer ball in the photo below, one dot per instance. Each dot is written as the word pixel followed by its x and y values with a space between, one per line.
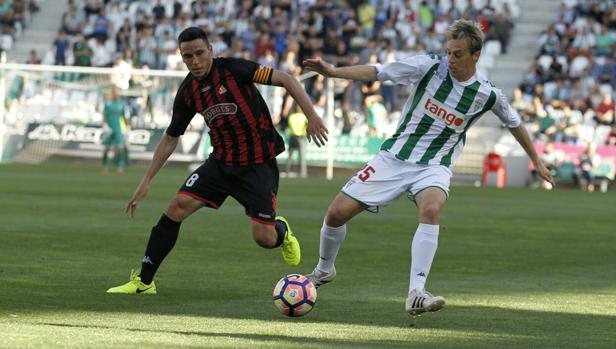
pixel 295 295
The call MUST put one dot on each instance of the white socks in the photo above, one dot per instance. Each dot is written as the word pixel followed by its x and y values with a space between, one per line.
pixel 331 239
pixel 423 249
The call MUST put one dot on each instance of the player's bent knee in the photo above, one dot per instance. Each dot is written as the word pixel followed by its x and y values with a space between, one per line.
pixel 336 216
pixel 430 213
pixel 175 213
pixel 181 207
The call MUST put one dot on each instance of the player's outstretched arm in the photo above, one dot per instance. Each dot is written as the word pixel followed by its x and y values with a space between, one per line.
pixel 163 151
pixel 354 72
pixel 522 136
pixel 316 130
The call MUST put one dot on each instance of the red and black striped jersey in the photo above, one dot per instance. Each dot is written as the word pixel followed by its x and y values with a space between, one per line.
pixel 241 128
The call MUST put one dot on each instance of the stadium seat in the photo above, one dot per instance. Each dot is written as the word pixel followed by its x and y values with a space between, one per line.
pixel 605 170
pixel 604 174
pixel 578 64
pixel 545 61
pixel 566 172
pixel 563 62
pixel 492 48
pixel 601 134
pixel 486 61
pixel 549 88
pixel 606 89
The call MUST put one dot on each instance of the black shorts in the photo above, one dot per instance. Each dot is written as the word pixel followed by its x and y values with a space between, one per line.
pixel 254 186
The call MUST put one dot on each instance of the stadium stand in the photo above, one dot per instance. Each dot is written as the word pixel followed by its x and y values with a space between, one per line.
pixel 567 94
pixel 128 35
pixel 96 33
pixel 15 17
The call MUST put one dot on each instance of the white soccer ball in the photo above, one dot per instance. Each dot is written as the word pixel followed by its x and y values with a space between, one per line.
pixel 295 295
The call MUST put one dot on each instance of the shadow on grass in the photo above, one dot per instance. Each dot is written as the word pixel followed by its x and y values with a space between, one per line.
pixel 544 326
pixel 456 326
pixel 299 340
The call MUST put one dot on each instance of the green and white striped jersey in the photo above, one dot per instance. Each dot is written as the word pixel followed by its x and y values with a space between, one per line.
pixel 433 124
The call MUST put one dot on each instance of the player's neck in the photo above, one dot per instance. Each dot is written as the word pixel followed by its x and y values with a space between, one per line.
pixel 464 78
pixel 207 73
pixel 210 68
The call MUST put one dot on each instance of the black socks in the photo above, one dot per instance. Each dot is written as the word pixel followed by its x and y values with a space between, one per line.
pixel 281 231
pixel 162 239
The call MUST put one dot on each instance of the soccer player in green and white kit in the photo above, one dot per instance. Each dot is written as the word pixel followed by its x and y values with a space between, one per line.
pixel 115 118
pixel 448 97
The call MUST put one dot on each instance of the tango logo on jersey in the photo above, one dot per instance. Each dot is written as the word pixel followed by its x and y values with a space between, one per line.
pixel 219 109
pixel 439 111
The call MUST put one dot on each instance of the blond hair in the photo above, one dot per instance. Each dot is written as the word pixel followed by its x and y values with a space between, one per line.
pixel 463 28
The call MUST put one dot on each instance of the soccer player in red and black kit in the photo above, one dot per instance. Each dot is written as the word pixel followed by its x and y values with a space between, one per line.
pixel 243 162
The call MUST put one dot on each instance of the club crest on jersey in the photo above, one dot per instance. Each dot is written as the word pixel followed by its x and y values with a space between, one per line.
pixel 217 110
pixel 222 90
pixel 478 105
pixel 439 111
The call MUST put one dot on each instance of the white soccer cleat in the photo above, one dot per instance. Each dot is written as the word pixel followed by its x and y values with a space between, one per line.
pixel 319 278
pixel 420 301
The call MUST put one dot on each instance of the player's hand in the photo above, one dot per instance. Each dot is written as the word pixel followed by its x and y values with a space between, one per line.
pixel 319 66
pixel 141 191
pixel 316 131
pixel 544 173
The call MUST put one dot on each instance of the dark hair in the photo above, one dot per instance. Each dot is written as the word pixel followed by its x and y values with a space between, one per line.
pixel 193 33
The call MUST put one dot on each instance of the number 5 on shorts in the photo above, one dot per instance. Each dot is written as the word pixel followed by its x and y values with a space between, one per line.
pixel 365 174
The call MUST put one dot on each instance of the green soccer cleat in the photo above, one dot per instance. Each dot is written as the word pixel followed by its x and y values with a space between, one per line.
pixel 134 286
pixel 291 252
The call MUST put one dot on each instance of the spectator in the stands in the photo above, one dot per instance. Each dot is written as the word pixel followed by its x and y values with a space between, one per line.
pixel 611 137
pixel 60 46
pixel 268 30
pixel 33 58
pixel 165 26
pixel 605 110
pixel 123 37
pixel 72 21
pixel 552 160
pixel 146 46
pixel 101 56
pixel 219 46
pixel 82 51
pixel 588 162
pixel 167 46
pixel 604 42
pixel 102 25
pixel 93 7
pixel 550 42
pixel 502 27
pixel 158 11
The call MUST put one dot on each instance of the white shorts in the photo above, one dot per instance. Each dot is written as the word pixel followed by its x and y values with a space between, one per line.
pixel 385 178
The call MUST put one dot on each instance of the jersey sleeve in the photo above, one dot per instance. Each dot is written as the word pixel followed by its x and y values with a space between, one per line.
pixel 250 72
pixel 182 113
pixel 505 112
pixel 407 71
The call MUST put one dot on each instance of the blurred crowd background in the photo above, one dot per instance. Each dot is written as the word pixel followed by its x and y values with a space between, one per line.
pixel 279 34
pixel 567 96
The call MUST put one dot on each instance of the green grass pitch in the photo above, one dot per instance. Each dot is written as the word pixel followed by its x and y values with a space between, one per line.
pixel 519 269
